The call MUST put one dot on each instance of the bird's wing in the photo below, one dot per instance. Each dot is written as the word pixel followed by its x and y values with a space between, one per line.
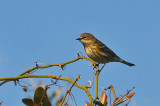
pixel 105 50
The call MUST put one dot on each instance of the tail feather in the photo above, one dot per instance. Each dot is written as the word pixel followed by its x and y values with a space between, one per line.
pixel 127 63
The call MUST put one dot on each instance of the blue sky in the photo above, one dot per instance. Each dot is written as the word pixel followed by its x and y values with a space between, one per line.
pixel 32 30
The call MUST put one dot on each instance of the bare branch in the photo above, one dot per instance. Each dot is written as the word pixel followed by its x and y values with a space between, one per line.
pixel 128 91
pixel 69 90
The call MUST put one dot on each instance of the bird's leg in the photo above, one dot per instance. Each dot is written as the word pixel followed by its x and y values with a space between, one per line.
pixel 95 65
pixel 102 67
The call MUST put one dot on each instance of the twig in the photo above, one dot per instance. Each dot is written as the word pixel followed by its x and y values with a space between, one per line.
pixel 96 92
pixel 119 99
pixel 64 98
pixel 23 82
pixel 112 88
pixel 54 83
pixel 73 98
pixel 97 75
pixel 67 99
pixel 69 90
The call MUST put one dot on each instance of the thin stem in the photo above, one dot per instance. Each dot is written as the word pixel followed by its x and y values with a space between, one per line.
pixel 97 77
pixel 124 95
pixel 112 88
pixel 64 98
pixel 114 94
pixel 96 92
pixel 69 90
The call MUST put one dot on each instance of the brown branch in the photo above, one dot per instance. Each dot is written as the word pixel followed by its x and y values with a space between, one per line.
pixel 69 90
pixel 119 99
pixel 114 94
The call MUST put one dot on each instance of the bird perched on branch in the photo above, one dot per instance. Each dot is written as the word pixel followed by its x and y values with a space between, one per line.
pixel 98 51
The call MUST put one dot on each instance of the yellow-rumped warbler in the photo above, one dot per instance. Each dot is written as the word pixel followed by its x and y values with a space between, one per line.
pixel 98 51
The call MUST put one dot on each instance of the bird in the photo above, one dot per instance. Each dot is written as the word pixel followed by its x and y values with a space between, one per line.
pixel 98 51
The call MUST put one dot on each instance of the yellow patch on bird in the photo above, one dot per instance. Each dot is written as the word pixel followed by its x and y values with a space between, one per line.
pixel 98 49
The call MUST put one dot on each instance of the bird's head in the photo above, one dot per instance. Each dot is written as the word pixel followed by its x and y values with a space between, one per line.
pixel 86 38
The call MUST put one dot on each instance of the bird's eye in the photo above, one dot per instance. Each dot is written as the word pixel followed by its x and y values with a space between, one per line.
pixel 84 37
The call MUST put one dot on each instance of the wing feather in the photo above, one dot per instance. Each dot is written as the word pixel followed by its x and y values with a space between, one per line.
pixel 107 52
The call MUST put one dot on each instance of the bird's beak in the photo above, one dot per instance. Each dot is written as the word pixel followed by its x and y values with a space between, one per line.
pixel 78 38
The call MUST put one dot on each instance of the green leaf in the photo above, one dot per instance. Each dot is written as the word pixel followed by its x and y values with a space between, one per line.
pixel 28 102
pixel 41 96
pixel 38 95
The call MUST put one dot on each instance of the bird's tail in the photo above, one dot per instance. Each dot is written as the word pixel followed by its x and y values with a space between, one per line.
pixel 127 63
